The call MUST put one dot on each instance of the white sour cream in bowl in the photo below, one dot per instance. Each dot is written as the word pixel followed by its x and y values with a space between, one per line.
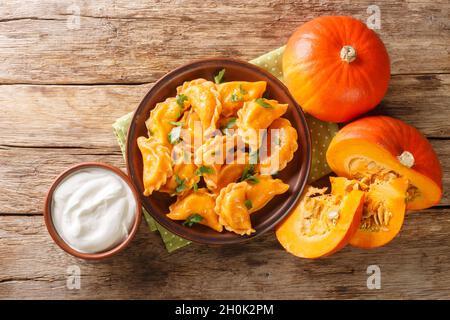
pixel 93 209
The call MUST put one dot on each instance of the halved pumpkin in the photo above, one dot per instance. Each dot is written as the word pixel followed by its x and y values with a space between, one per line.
pixel 372 147
pixel 383 212
pixel 321 224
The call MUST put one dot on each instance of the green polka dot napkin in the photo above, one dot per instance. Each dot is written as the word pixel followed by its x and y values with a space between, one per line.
pixel 321 134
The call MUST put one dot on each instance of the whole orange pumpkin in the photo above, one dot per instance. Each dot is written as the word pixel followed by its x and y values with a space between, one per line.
pixel 336 68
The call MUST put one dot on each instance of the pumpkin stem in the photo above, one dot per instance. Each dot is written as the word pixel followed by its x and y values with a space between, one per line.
pixel 406 159
pixel 348 54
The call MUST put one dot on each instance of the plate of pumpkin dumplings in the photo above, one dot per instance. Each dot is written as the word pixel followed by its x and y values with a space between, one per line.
pixel 219 150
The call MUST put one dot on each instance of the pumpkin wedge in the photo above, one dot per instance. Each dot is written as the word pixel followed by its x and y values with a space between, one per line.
pixel 381 147
pixel 383 212
pixel 321 223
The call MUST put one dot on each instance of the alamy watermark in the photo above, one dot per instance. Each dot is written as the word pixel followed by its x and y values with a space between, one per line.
pixel 73 281
pixel 374 277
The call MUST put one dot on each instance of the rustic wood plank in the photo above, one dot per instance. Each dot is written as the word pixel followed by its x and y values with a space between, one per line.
pixel 63 116
pixel 52 116
pixel 420 100
pixel 414 265
pixel 137 42
pixel 27 173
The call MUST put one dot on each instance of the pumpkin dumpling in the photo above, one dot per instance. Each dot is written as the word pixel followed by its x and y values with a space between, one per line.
pixel 264 189
pixel 157 164
pixel 232 209
pixel 204 100
pixel 183 179
pixel 321 223
pixel 190 123
pixel 222 175
pixel 256 115
pixel 219 150
pixel 200 202
pixel 161 120
pixel 281 143
pixel 233 94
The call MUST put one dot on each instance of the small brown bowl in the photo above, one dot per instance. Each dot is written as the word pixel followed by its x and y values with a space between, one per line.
pixel 295 174
pixel 56 237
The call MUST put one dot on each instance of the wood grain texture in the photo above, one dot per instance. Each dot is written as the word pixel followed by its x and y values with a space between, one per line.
pixel 126 41
pixel 414 265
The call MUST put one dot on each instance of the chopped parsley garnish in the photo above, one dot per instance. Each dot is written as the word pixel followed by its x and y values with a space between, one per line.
pixel 176 123
pixel 263 103
pixel 236 98
pixel 248 204
pixel 252 179
pixel 174 135
pixel 195 186
pixel 204 169
pixel 181 184
pixel 249 174
pixel 219 77
pixel 181 98
pixel 230 124
pixel 192 219
pixel 242 90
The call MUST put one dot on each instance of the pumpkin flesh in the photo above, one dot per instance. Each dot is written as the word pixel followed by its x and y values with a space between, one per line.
pixel 388 145
pixel 384 207
pixel 321 223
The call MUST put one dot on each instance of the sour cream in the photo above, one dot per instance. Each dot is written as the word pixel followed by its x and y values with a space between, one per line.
pixel 93 210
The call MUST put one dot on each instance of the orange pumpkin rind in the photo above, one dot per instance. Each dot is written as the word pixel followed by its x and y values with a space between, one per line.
pixel 297 236
pixel 394 146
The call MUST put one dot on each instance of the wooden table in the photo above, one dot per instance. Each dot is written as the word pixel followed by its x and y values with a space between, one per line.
pixel 65 79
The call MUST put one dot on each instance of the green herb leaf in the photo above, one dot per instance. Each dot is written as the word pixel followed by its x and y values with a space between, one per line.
pixel 174 135
pixel 248 171
pixel 204 169
pixel 248 204
pixel 176 123
pixel 236 98
pixel 181 184
pixel 242 90
pixel 181 98
pixel 195 186
pixel 219 77
pixel 248 174
pixel 252 179
pixel 231 123
pixel 263 103
pixel 192 219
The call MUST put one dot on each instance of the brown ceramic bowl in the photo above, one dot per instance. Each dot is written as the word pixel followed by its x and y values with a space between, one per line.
pixel 295 174
pixel 54 234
